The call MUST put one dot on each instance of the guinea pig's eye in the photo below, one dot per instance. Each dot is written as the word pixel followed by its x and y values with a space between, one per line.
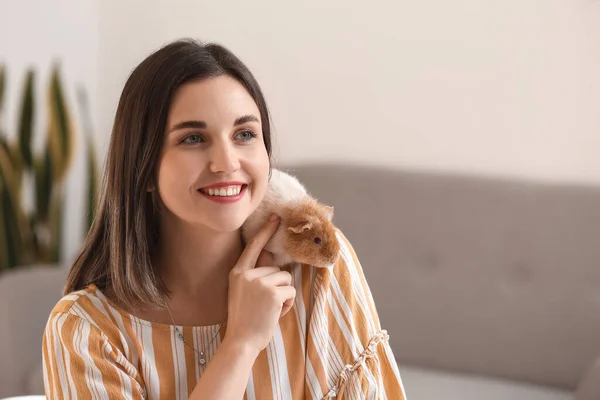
pixel 317 240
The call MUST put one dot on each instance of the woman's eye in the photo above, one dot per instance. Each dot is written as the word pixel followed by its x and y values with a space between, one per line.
pixel 246 135
pixel 192 139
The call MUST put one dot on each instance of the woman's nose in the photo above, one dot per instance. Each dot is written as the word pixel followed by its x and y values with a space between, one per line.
pixel 223 159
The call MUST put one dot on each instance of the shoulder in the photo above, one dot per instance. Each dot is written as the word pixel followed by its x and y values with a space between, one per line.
pixel 84 306
pixel 341 293
pixel 348 261
pixel 346 248
pixel 70 302
pixel 345 276
pixel 346 280
pixel 89 312
pixel 82 333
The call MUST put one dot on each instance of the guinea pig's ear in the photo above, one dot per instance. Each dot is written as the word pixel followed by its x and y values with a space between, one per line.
pixel 329 211
pixel 300 227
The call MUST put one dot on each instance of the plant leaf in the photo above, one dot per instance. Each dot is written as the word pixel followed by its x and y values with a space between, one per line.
pixel 92 185
pixel 11 230
pixel 14 165
pixel 16 233
pixel 43 184
pixel 5 262
pixel 9 172
pixel 4 145
pixel 26 119
pixel 44 190
pixel 2 86
pixel 92 166
pixel 55 222
pixel 60 131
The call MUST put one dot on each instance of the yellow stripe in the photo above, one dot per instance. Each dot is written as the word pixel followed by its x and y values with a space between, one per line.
pixel 333 294
pixel 262 377
pixel 294 356
pixel 77 367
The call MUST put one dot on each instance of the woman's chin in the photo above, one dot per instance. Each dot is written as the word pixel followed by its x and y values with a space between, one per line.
pixel 227 225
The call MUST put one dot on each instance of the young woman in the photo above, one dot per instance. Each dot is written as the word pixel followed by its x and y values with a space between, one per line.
pixel 165 300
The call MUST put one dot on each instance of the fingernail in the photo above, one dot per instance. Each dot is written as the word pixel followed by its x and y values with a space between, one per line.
pixel 273 217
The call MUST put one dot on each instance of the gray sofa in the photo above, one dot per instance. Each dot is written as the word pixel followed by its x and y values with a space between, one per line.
pixel 490 289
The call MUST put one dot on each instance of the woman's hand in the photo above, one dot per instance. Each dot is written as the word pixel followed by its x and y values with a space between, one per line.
pixel 259 293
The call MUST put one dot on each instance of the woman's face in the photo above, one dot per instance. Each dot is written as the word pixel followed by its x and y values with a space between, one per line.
pixel 214 167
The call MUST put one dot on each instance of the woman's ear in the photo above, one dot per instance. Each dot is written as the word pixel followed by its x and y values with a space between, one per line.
pixel 151 187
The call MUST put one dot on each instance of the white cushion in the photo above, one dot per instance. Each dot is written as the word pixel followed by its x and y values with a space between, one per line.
pixel 430 384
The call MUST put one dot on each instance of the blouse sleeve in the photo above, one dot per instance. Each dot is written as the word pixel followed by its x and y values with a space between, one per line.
pixel 80 362
pixel 348 353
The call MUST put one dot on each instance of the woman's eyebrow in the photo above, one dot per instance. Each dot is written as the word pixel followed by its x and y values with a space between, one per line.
pixel 202 125
pixel 244 119
pixel 188 124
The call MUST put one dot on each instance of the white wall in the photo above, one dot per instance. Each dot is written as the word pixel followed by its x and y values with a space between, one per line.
pixel 34 33
pixel 507 87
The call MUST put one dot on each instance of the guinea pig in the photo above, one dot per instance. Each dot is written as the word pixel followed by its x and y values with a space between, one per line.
pixel 306 233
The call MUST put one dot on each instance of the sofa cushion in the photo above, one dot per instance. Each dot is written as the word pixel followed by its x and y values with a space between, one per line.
pixel 35 290
pixel 426 384
pixel 488 276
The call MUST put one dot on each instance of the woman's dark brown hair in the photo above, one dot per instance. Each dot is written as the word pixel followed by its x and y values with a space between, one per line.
pixel 116 253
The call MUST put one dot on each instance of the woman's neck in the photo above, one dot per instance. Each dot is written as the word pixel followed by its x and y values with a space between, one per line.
pixel 194 262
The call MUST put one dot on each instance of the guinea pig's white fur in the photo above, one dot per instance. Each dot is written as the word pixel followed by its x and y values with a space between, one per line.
pixel 283 190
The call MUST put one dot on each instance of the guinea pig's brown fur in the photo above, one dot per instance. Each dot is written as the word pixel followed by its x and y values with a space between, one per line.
pixel 310 236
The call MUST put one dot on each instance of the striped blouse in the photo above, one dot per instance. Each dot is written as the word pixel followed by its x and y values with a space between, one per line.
pixel 329 345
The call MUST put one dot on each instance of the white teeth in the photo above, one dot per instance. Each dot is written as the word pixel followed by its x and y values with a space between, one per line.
pixel 224 191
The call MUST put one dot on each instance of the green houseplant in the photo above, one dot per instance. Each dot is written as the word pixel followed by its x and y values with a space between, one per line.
pixel 30 237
